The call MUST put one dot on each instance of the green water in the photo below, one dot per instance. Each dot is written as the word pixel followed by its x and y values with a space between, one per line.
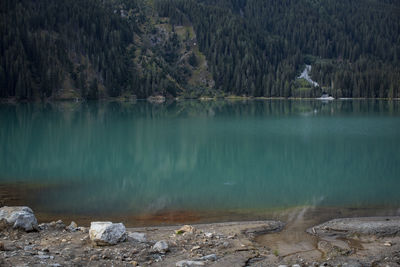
pixel 136 158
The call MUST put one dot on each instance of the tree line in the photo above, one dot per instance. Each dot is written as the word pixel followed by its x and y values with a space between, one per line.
pixel 253 47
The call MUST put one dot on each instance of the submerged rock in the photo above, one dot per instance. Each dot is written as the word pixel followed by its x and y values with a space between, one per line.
pixel 161 246
pixel 19 217
pixel 107 233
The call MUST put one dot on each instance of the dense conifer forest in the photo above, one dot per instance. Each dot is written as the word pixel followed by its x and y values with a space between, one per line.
pixel 92 49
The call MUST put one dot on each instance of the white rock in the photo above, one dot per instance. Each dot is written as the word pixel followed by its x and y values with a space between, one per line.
pixel 387 244
pixel 19 217
pixel 209 235
pixel 195 248
pixel 107 233
pixel 186 263
pixel 139 237
pixel 161 246
pixel 186 229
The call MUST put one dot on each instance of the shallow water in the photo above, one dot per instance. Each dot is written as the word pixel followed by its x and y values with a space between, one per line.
pixel 200 161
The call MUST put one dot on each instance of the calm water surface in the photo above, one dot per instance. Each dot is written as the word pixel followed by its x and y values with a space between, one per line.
pixel 224 157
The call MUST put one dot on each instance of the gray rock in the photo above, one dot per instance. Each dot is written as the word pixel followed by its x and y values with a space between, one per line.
pixel 107 233
pixel 42 257
pixel 161 246
pixel 58 225
pixel 186 263
pixel 226 244
pixel 268 227
pixel 43 226
pixel 139 237
pixel 73 227
pixel 352 264
pixel 19 217
pixel 29 248
pixel 211 257
pixel 378 226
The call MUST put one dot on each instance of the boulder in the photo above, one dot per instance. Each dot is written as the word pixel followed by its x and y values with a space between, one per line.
pixel 107 233
pixel 19 217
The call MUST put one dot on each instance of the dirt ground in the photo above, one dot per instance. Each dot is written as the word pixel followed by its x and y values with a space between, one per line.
pixel 256 243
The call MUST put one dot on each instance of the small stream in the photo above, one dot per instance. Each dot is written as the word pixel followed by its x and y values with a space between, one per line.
pixel 306 76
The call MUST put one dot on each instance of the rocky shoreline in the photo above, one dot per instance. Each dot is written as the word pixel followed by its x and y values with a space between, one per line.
pixel 366 241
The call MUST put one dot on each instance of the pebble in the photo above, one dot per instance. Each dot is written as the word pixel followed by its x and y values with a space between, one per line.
pixel 387 244
pixel 94 258
pixel 28 248
pixel 186 263
pixel 209 235
pixel 42 257
pixel 195 248
pixel 226 244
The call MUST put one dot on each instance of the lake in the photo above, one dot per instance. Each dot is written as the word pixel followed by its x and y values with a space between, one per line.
pixel 198 161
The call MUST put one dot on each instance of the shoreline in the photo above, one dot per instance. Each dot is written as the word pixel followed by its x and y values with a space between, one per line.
pixel 178 98
pixel 300 239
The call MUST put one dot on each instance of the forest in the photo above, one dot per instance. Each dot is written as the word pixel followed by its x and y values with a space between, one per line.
pixel 92 49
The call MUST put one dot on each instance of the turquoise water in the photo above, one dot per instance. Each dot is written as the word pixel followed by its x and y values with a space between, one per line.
pixel 141 158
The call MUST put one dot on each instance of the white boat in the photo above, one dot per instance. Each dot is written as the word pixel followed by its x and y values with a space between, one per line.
pixel 326 97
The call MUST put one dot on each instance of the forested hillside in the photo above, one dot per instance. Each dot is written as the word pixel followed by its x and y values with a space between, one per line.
pixel 123 48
